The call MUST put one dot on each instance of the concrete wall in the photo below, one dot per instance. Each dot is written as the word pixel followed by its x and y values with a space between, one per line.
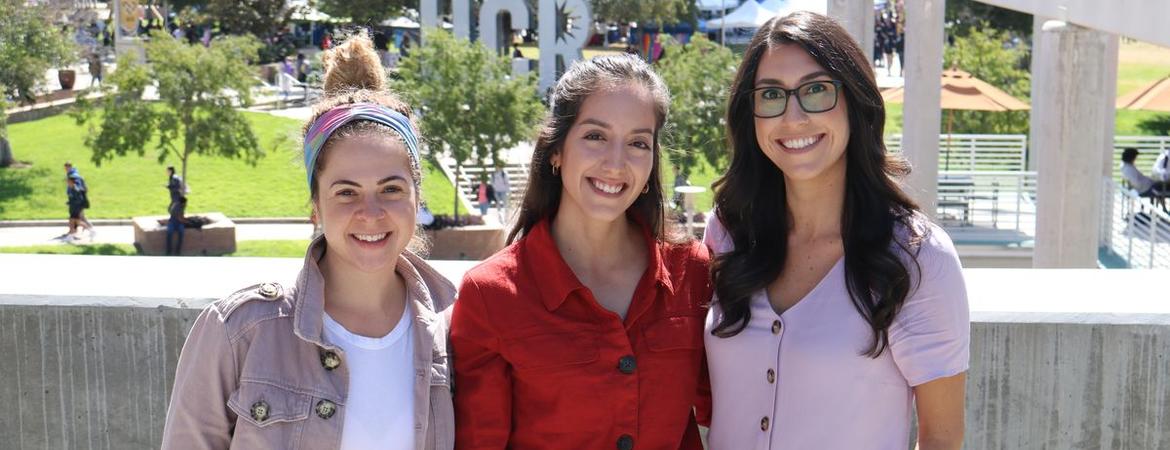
pixel 1060 359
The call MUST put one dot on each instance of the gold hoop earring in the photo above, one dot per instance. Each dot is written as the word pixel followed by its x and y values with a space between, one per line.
pixel 646 189
pixel 556 170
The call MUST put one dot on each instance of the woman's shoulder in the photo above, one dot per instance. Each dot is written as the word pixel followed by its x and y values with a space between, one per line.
pixel 250 306
pixel 501 268
pixel 919 235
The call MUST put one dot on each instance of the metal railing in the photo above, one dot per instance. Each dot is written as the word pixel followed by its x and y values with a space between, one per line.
pixel 990 200
pixel 969 152
pixel 1134 228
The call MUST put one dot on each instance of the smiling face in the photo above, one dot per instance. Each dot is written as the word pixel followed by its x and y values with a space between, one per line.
pixel 804 146
pixel 366 201
pixel 607 156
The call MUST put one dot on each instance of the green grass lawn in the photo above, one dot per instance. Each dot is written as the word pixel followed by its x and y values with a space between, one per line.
pixel 272 249
pixel 133 186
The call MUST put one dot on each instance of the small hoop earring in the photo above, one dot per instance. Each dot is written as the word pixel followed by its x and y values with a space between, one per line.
pixel 646 189
pixel 556 170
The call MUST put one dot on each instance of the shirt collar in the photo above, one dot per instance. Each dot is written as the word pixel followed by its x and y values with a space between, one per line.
pixel 556 279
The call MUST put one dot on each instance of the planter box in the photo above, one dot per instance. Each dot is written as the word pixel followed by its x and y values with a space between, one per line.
pixel 476 242
pixel 215 238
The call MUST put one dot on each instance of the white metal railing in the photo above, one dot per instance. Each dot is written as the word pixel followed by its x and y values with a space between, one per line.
pixel 993 200
pixel 467 181
pixel 968 152
pixel 1134 229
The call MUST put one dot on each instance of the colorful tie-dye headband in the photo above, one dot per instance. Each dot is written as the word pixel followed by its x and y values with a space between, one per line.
pixel 337 117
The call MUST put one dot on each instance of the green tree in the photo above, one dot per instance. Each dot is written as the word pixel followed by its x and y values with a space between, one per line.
pixel 366 12
pixel 656 11
pixel 698 75
pixel 472 106
pixel 988 54
pixel 29 45
pixel 198 88
pixel 260 18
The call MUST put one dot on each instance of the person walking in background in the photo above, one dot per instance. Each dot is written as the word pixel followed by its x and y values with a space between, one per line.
pixel 174 184
pixel 483 196
pixel 75 201
pixel 81 189
pixel 176 225
pixel 95 67
pixel 501 188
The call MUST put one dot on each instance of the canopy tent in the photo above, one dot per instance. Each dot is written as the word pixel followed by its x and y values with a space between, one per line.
pixel 786 7
pixel 716 5
pixel 749 15
pixel 961 91
pixel 1153 97
pixel 401 22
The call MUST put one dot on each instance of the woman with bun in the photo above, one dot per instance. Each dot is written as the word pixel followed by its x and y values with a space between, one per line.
pixel 353 355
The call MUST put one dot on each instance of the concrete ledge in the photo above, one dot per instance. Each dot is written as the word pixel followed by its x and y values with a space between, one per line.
pixel 1060 359
pixel 123 222
pixel 475 242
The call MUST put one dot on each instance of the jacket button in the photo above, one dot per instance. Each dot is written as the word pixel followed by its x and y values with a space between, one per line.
pixel 776 327
pixel 771 376
pixel 330 360
pixel 764 423
pixel 269 290
pixel 259 411
pixel 627 364
pixel 626 442
pixel 325 409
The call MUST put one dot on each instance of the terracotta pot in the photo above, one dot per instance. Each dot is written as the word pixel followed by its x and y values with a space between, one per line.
pixel 67 77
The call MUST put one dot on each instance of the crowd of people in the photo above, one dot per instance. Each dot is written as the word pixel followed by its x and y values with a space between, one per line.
pixel 819 310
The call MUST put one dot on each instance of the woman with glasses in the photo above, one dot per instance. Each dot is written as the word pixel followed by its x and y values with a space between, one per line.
pixel 587 331
pixel 838 306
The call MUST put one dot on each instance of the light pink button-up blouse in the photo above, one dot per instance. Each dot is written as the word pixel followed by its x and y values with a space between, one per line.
pixel 801 380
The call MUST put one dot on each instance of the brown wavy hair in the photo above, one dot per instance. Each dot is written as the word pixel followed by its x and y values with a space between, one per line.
pixel 542 198
pixel 750 197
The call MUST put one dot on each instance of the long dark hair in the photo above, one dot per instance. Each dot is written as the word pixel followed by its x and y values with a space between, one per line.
pixel 750 198
pixel 542 197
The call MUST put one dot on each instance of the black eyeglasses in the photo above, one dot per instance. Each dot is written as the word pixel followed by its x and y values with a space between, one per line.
pixel 813 97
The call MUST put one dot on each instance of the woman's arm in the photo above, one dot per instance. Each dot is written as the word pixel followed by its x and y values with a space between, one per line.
pixel 198 416
pixel 940 413
pixel 483 384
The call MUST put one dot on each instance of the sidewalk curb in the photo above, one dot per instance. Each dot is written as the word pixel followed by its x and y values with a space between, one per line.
pixel 127 222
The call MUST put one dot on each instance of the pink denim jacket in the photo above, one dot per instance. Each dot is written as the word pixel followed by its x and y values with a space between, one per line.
pixel 256 372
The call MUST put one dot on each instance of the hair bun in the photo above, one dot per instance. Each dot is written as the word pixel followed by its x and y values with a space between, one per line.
pixel 354 65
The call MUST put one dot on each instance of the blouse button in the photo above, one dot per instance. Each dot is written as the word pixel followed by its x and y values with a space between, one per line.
pixel 776 327
pixel 764 423
pixel 259 411
pixel 627 364
pixel 626 442
pixel 330 360
pixel 771 376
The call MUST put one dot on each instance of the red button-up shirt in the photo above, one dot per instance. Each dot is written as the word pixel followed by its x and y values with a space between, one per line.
pixel 539 364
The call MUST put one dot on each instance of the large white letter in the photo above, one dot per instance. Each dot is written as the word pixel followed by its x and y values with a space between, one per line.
pixel 564 30
pixel 488 20
pixel 429 16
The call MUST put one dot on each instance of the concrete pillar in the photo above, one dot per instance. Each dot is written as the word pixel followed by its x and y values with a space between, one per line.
pixel 1112 45
pixel 921 115
pixel 857 17
pixel 1070 87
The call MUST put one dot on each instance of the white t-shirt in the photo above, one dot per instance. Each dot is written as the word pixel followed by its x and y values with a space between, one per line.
pixel 1138 181
pixel 380 403
pixel 1161 169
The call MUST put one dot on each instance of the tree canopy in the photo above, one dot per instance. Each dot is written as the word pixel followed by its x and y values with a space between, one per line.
pixel 199 89
pixel 698 75
pixel 472 107
pixel 991 55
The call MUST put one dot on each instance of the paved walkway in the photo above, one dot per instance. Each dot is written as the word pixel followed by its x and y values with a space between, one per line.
pixel 124 234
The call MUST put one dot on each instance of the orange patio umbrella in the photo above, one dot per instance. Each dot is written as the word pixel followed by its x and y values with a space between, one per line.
pixel 961 91
pixel 1154 97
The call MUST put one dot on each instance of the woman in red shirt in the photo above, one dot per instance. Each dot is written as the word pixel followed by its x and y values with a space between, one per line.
pixel 586 332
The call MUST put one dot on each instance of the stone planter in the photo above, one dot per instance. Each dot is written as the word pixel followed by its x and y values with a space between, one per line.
pixel 67 77
pixel 213 239
pixel 475 242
